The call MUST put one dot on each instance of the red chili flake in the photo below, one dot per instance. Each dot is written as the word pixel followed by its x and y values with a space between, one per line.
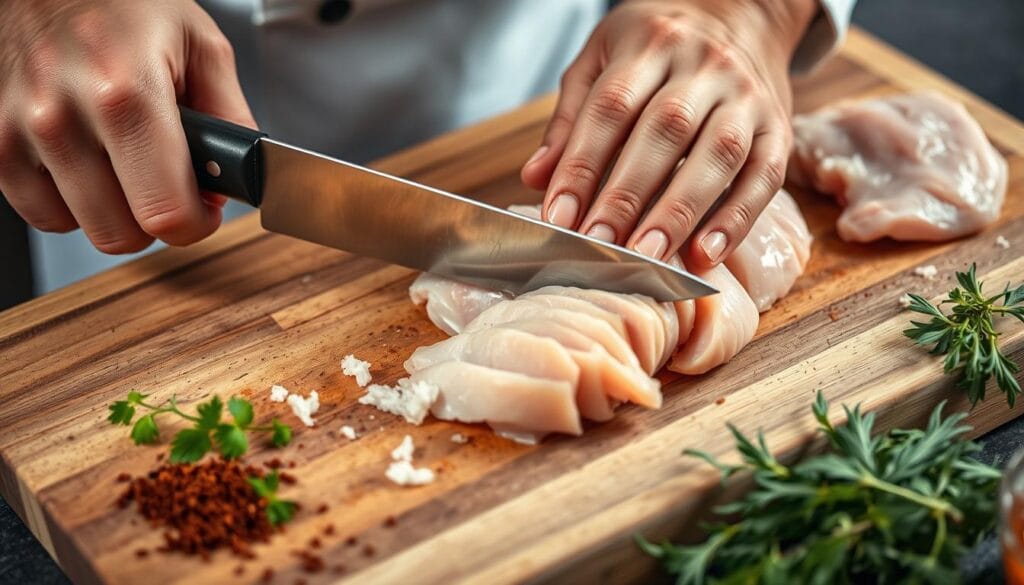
pixel 311 563
pixel 159 456
pixel 291 465
pixel 141 553
pixel 369 551
pixel 351 541
pixel 833 313
pixel 720 400
pixel 390 522
pixel 322 508
pixel 287 478
pixel 123 477
pixel 203 507
pixel 314 542
pixel 267 576
pixel 302 445
pixel 239 570
pixel 329 530
pixel 274 463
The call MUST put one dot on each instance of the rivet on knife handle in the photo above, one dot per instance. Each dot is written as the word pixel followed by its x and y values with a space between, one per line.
pixel 225 156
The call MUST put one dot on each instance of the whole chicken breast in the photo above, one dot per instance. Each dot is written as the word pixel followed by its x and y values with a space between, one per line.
pixel 910 167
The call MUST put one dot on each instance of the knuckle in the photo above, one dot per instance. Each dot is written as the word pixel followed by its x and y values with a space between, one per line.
pixel 579 171
pixel 729 147
pixel 613 102
pixel 48 121
pixel 739 218
pixel 682 213
pixel 664 31
pixel 675 120
pixel 220 47
pixel 773 172
pixel 117 100
pixel 621 205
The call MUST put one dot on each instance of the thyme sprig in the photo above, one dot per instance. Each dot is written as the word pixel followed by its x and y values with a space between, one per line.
pixel 894 508
pixel 967 336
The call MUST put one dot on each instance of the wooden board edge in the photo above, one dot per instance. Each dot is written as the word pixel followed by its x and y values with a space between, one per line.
pixel 904 71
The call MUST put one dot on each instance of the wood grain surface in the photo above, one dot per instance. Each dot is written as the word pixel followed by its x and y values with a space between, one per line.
pixel 247 309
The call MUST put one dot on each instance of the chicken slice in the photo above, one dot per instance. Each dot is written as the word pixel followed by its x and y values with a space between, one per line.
pixel 645 323
pixel 723 325
pixel 775 252
pixel 911 167
pixel 451 305
pixel 515 405
pixel 502 349
pixel 604 381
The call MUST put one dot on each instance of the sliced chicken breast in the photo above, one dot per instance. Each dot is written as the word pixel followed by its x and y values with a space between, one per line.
pixel 723 325
pixel 517 405
pixel 775 252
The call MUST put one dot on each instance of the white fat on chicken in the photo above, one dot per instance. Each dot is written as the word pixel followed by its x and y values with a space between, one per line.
pixel 910 167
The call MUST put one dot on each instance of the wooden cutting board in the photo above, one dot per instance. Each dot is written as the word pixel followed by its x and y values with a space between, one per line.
pixel 247 309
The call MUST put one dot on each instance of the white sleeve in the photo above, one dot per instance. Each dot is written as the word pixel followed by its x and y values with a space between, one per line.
pixel 824 35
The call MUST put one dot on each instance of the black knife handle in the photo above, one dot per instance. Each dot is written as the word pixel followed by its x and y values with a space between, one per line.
pixel 225 156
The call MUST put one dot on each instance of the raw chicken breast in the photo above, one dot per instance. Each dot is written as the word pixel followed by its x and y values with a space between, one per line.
pixel 515 405
pixel 723 325
pixel 450 304
pixel 768 261
pixel 645 323
pixel 501 348
pixel 910 167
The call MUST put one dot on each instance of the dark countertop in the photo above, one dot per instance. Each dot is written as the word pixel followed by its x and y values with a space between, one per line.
pixel 977 44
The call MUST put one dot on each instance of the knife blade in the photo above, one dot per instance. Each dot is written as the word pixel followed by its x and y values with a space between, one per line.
pixel 320 199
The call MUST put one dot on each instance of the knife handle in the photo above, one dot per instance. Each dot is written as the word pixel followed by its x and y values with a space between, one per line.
pixel 225 156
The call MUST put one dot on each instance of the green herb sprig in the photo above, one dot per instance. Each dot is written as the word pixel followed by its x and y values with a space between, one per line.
pixel 208 430
pixel 896 508
pixel 968 337
pixel 278 511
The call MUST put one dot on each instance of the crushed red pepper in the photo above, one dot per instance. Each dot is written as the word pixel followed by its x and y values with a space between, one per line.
pixel 203 506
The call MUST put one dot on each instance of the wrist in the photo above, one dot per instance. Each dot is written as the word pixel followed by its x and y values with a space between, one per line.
pixel 788 20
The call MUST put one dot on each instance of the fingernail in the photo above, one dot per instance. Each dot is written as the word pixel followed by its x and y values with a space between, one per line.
pixel 713 245
pixel 563 211
pixel 536 156
pixel 603 232
pixel 653 244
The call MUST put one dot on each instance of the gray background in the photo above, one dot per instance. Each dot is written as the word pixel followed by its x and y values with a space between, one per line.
pixel 978 43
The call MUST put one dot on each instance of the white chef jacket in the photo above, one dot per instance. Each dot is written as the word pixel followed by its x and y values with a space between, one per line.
pixel 358 79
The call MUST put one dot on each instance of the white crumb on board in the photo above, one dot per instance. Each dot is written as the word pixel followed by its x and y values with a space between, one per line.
pixel 402 471
pixel 928 271
pixel 905 300
pixel 278 393
pixel 352 366
pixel 408 399
pixel 306 279
pixel 305 408
pixel 460 439
pixel 349 433
pixel 1002 242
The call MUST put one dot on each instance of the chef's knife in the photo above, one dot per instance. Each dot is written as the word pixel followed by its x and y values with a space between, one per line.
pixel 345 206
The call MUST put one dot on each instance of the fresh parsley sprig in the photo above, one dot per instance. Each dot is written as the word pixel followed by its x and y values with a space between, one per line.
pixel 208 430
pixel 278 511
pixel 895 508
pixel 967 336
